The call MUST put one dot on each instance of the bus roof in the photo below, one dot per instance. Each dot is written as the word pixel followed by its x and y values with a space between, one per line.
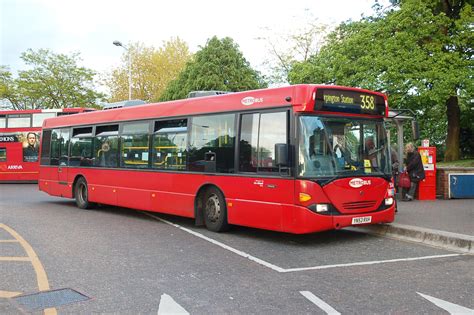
pixel 52 110
pixel 297 96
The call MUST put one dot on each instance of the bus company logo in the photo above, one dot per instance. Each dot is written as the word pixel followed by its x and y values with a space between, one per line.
pixel 359 182
pixel 15 167
pixel 249 100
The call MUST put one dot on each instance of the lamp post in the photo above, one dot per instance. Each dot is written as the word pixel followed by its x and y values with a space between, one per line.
pixel 118 43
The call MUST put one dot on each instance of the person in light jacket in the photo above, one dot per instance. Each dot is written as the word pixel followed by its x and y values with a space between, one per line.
pixel 415 170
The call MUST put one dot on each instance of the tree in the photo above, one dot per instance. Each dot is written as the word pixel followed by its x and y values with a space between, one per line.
pixel 12 94
pixel 152 70
pixel 55 81
pixel 217 66
pixel 419 53
pixel 288 47
pixel 5 84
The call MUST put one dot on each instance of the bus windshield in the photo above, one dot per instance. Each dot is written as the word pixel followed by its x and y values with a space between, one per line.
pixel 342 146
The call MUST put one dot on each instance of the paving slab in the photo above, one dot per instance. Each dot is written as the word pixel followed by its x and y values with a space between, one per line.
pixel 454 215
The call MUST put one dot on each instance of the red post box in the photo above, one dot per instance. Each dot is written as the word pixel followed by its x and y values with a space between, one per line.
pixel 427 187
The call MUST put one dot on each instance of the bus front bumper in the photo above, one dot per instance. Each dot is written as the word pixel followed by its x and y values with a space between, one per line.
pixel 307 221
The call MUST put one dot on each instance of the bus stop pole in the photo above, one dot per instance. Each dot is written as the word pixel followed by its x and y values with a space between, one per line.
pixel 400 144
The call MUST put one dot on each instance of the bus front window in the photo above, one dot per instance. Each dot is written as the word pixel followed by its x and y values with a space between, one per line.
pixel 332 147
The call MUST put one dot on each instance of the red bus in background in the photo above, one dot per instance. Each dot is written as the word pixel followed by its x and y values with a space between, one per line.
pixel 20 140
pixel 297 159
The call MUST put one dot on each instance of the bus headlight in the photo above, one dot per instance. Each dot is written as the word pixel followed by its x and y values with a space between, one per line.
pixel 322 208
pixel 389 201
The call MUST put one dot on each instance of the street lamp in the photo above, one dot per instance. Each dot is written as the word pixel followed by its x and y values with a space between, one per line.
pixel 117 43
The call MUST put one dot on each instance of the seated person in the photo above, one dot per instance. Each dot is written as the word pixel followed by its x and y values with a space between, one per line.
pixel 370 152
pixel 105 156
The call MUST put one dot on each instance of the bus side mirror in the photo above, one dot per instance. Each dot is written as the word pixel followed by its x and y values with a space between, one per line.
pixel 281 154
pixel 415 129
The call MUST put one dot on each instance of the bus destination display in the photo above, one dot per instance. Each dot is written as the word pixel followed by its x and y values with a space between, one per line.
pixel 349 101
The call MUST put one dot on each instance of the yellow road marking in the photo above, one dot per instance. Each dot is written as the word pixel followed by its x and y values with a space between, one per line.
pixel 8 294
pixel 42 279
pixel 50 311
pixel 15 258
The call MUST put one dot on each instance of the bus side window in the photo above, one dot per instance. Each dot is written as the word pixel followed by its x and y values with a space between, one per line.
pixel 106 146
pixel 212 143
pixel 3 154
pixel 135 145
pixel 81 147
pixel 273 129
pixel 64 148
pixel 169 144
pixel 106 149
pixel 259 134
pixel 45 147
pixel 248 142
pixel 55 146
pixel 59 147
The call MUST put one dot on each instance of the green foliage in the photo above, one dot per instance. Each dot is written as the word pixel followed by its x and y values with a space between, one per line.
pixel 152 70
pixel 5 82
pixel 420 54
pixel 217 66
pixel 55 81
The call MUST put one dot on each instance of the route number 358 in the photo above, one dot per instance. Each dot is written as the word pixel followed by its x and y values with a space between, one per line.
pixel 368 102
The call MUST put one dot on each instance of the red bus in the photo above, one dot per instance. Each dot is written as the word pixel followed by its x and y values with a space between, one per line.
pixel 20 140
pixel 297 159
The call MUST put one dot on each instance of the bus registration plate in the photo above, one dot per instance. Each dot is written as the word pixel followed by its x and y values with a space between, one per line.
pixel 362 220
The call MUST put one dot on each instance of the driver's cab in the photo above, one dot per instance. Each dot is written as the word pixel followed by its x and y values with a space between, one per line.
pixel 323 162
pixel 340 146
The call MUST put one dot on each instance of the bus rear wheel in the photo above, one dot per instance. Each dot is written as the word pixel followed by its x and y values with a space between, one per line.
pixel 82 194
pixel 215 210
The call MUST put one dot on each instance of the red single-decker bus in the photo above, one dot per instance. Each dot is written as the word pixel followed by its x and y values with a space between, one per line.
pixel 20 140
pixel 297 159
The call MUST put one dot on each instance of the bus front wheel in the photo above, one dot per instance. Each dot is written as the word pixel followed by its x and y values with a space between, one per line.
pixel 215 210
pixel 82 194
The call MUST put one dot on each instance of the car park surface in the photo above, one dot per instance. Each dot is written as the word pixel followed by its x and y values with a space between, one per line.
pixel 129 261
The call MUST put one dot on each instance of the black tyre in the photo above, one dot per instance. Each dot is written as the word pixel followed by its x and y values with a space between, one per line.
pixel 82 194
pixel 215 210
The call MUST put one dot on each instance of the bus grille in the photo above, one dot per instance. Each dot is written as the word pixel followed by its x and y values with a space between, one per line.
pixel 359 205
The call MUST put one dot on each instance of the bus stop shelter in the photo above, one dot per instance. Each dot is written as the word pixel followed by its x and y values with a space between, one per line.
pixel 398 119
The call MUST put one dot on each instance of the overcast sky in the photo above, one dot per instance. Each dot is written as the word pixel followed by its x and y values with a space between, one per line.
pixel 90 26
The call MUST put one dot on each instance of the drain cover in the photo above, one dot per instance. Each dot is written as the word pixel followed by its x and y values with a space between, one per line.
pixel 46 299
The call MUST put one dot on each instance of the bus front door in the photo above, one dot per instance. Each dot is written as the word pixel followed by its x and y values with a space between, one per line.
pixel 63 186
pixel 261 202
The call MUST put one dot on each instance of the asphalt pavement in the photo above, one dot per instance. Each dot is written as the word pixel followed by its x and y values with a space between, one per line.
pixel 132 262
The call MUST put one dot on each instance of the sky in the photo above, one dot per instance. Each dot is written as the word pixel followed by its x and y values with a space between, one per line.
pixel 90 26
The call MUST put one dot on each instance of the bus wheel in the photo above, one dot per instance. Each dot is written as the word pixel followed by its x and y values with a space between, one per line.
pixel 215 210
pixel 82 194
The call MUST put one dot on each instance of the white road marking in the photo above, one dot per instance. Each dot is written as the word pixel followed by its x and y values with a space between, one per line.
pixel 451 308
pixel 282 270
pixel 210 240
pixel 374 262
pixel 320 303
pixel 169 306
